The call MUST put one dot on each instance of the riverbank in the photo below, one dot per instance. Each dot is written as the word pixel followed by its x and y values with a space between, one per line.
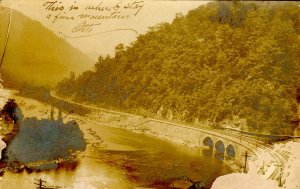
pixel 263 171
pixel 4 95
pixel 276 167
pixel 137 159
pixel 183 135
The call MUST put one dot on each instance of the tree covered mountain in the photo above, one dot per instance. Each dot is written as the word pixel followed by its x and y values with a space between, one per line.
pixel 34 54
pixel 224 62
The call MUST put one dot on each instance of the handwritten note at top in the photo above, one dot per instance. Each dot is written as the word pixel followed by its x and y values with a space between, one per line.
pixel 90 15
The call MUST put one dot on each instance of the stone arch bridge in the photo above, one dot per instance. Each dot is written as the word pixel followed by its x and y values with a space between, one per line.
pixel 222 146
pixel 227 145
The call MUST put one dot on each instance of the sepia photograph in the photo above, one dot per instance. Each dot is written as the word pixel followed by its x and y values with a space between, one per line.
pixel 149 94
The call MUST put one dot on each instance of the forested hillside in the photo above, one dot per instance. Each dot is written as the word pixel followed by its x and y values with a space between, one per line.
pixel 223 62
pixel 34 54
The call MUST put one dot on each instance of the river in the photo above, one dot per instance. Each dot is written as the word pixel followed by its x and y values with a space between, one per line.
pixel 116 158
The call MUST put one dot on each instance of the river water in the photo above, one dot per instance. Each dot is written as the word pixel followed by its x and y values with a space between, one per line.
pixel 115 158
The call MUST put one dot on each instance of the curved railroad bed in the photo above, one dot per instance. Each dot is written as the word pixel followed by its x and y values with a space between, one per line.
pixel 279 158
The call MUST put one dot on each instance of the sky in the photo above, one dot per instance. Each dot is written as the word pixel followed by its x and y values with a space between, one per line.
pixel 104 34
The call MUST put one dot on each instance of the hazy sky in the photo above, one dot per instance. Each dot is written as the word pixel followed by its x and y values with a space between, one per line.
pixel 103 37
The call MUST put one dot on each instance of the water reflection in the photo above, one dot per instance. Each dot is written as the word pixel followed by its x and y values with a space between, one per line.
pixel 115 158
pixel 208 152
pixel 219 156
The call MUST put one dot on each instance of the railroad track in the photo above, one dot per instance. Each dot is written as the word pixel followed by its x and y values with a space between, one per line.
pixel 279 158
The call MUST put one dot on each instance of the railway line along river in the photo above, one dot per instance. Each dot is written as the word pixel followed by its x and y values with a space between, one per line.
pixel 117 158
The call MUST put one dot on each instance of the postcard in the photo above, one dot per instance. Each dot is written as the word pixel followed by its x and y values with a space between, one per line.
pixel 132 94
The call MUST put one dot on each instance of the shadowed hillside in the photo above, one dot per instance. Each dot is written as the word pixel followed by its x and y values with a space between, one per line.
pixel 36 55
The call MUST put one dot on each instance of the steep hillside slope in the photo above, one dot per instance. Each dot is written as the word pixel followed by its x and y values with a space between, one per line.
pixel 34 54
pixel 223 63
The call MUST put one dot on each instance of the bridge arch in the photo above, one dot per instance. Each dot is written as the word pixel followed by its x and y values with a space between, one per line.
pixel 220 147
pixel 207 141
pixel 220 150
pixel 230 151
